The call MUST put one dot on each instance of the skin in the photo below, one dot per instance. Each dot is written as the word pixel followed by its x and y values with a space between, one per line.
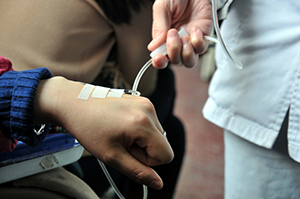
pixel 168 17
pixel 125 133
pixel 121 132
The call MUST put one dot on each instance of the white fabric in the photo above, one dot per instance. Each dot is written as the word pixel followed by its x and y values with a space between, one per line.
pixel 252 102
pixel 258 173
pixel 222 7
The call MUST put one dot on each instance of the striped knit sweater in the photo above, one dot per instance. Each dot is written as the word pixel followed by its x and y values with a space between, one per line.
pixel 17 92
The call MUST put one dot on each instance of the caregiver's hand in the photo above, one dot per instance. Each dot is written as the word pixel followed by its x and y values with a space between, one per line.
pixel 168 16
pixel 122 132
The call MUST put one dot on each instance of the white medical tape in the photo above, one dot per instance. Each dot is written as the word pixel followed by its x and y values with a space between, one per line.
pixel 115 93
pixel 100 92
pixel 86 92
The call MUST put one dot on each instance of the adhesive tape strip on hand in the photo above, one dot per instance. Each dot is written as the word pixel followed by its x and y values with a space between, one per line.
pixel 115 93
pixel 100 92
pixel 86 92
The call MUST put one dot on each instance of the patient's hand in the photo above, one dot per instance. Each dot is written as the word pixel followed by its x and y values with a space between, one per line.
pixel 121 132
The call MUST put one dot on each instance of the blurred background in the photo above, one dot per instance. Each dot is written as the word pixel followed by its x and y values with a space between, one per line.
pixel 202 174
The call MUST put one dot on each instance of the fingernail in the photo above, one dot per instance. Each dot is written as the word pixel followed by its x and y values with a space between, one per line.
pixel 196 35
pixel 156 184
pixel 185 41
pixel 161 62
pixel 152 42
pixel 172 34
pixel 194 31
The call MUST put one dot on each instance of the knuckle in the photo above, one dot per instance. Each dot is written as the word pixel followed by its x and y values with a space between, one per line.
pixel 110 158
pixel 144 115
pixel 200 46
pixel 170 157
pixel 147 104
pixel 158 4
pixel 155 5
pixel 173 45
pixel 166 157
pixel 140 119
pixel 137 175
pixel 190 60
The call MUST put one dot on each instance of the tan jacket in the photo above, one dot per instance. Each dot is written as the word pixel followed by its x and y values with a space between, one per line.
pixel 73 38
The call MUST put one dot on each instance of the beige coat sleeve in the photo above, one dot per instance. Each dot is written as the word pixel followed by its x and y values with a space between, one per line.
pixel 73 38
pixel 70 37
pixel 132 49
pixel 132 40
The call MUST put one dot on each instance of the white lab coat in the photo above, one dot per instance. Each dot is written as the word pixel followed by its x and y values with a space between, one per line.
pixel 252 102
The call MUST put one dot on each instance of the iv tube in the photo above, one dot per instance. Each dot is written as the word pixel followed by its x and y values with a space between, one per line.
pixel 113 185
pixel 139 76
pixel 162 50
pixel 229 53
pixel 110 180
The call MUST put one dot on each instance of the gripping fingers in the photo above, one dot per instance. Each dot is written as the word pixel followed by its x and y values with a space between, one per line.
pixel 189 57
pixel 197 40
pixel 174 47
pixel 182 51
pixel 160 61
pixel 134 169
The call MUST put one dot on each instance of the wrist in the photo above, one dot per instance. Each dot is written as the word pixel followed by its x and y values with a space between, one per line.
pixel 53 98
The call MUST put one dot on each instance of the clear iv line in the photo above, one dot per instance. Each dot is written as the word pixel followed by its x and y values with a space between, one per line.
pixel 113 185
pixel 139 76
pixel 110 180
pixel 237 64
pixel 229 53
pixel 108 176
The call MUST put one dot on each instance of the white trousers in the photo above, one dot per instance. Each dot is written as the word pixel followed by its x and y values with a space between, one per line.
pixel 253 172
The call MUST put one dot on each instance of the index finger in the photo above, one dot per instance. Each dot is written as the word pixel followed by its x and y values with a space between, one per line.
pixel 135 170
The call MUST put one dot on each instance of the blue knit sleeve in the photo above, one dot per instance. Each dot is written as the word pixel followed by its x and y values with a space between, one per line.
pixel 17 101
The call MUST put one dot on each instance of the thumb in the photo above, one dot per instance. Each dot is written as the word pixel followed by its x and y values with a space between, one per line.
pixel 161 24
